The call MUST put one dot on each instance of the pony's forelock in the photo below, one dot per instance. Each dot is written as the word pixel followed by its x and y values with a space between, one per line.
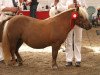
pixel 83 12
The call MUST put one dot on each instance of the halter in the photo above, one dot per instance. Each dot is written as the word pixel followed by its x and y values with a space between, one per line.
pixel 74 15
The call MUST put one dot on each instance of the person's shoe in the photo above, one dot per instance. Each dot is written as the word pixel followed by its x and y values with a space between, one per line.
pixel 68 64
pixel 78 64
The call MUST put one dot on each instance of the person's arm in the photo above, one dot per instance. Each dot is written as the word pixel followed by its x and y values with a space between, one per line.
pixel 10 9
pixel 82 3
pixel 79 3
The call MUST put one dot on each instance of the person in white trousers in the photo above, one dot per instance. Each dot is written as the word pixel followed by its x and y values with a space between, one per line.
pixel 73 43
pixel 6 9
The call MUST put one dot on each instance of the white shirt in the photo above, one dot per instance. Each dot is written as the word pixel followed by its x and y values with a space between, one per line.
pixel 81 2
pixel 63 4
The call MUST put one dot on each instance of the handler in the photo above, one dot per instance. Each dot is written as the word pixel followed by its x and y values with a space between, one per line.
pixel 73 43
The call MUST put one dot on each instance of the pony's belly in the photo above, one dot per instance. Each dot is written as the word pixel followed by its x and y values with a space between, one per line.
pixel 38 45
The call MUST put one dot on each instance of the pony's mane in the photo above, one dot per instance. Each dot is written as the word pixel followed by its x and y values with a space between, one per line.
pixel 53 12
pixel 66 11
pixel 83 12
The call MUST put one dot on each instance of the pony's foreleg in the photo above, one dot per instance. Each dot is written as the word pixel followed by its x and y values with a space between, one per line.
pixel 14 45
pixel 55 48
pixel 19 59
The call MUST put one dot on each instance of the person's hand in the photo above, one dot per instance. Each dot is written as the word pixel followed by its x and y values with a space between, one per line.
pixel 73 5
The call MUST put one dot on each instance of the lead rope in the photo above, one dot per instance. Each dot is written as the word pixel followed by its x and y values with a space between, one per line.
pixel 75 3
pixel 89 40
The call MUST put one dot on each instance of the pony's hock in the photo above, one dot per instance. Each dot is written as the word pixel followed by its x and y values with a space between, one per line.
pixel 49 32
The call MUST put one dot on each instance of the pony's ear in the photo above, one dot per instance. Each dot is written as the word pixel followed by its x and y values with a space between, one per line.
pixel 77 8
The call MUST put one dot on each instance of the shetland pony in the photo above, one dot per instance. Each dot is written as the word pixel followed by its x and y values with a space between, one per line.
pixel 40 33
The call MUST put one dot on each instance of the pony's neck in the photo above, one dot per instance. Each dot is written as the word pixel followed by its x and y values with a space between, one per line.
pixel 64 18
pixel 65 14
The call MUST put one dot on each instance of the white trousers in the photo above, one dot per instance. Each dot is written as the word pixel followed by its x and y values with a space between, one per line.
pixel 73 44
pixel 1 55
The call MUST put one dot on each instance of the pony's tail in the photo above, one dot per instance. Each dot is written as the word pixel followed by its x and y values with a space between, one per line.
pixel 4 21
pixel 5 46
pixel 2 24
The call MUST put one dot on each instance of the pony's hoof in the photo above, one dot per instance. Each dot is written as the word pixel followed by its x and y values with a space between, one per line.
pixel 54 67
pixel 20 64
pixel 16 64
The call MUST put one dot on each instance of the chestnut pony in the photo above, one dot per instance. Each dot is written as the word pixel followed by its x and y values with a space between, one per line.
pixel 40 33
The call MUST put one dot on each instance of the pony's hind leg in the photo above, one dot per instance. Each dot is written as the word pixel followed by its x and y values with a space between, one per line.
pixel 13 61
pixel 13 47
pixel 19 59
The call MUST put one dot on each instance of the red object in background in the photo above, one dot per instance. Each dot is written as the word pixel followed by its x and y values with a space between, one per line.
pixel 42 14
pixel 39 14
pixel 27 13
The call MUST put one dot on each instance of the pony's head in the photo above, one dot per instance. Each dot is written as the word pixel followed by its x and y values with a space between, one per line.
pixel 83 19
